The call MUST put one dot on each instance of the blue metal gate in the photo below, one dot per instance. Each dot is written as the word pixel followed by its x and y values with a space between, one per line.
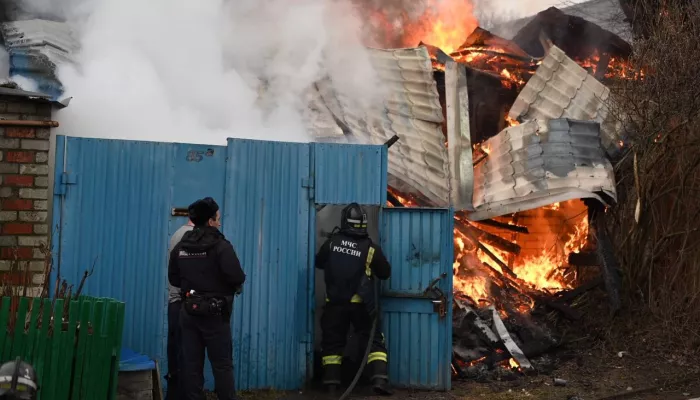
pixel 115 207
pixel 111 202
pixel 418 244
pixel 267 218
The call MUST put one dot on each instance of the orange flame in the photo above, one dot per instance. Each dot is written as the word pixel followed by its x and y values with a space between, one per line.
pixel 555 231
pixel 444 24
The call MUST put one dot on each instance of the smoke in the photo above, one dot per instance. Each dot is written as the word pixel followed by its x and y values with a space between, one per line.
pixel 4 64
pixel 200 72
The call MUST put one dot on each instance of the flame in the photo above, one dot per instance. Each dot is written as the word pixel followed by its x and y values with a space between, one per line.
pixel 616 68
pixel 444 24
pixel 405 200
pixel 513 363
pixel 556 230
pixel 511 122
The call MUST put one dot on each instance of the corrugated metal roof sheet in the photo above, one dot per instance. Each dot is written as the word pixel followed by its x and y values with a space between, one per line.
pixel 560 88
pixel 36 48
pixel 539 163
pixel 459 147
pixel 319 119
pixel 412 111
pixel 346 173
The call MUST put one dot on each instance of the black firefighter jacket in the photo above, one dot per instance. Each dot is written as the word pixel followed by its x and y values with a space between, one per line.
pixel 204 261
pixel 343 258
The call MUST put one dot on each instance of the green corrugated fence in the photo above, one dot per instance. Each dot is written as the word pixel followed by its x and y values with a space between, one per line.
pixel 77 359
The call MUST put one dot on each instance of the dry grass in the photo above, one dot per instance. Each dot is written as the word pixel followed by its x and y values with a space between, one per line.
pixel 659 177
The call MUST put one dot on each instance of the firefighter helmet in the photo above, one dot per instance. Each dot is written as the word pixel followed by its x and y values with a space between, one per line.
pixel 353 220
pixel 17 381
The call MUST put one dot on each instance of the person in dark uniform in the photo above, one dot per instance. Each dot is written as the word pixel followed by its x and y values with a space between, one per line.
pixel 206 269
pixel 351 262
pixel 174 342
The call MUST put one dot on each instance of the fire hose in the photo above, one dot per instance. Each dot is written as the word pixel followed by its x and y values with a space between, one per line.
pixel 375 320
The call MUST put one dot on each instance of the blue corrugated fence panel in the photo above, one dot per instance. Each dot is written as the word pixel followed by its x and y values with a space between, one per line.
pixel 346 173
pixel 114 215
pixel 198 171
pixel 266 219
pixel 418 244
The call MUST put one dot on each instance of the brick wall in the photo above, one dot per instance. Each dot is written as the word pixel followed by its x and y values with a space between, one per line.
pixel 24 191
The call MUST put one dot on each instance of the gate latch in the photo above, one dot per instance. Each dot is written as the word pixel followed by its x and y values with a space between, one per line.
pixel 439 299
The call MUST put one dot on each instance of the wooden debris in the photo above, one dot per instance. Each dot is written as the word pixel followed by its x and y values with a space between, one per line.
pixel 513 348
pixel 489 238
pixel 501 225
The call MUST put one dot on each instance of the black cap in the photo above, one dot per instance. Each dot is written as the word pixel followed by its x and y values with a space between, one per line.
pixel 201 211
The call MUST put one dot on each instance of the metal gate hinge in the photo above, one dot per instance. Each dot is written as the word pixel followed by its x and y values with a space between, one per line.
pixel 307 183
pixel 68 178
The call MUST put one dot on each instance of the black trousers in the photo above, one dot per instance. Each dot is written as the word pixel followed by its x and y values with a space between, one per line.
pixel 212 333
pixel 174 351
pixel 335 324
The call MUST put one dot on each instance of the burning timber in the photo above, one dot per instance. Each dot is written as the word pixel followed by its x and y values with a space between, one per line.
pixel 520 146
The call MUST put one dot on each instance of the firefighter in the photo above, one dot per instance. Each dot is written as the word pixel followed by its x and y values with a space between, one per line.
pixel 351 262
pixel 174 342
pixel 205 267
pixel 18 381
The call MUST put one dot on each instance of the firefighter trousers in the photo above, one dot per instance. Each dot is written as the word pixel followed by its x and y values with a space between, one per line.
pixel 335 323
pixel 212 333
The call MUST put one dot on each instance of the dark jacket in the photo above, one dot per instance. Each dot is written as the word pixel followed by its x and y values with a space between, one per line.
pixel 204 261
pixel 343 257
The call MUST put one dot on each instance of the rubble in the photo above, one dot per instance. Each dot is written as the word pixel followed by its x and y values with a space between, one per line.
pixel 520 147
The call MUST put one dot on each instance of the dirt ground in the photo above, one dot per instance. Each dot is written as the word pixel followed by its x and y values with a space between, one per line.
pixel 591 374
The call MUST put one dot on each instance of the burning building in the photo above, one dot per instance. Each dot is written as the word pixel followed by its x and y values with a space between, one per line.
pixel 516 136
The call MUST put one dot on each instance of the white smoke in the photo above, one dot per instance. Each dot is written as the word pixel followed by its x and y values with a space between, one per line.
pixel 192 71
pixel 4 64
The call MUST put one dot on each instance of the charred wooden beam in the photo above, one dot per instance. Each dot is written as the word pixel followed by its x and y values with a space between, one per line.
pixel 463 52
pixel 565 310
pixel 585 259
pixel 501 225
pixel 570 295
pixel 488 252
pixel 489 238
pixel 393 200
pixel 530 350
pixel 479 160
pixel 602 67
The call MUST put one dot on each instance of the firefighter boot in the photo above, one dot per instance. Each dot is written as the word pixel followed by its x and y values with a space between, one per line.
pixel 379 377
pixel 381 387
pixel 332 372
pixel 331 391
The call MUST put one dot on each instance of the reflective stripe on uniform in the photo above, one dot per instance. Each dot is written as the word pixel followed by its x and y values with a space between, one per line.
pixel 370 255
pixel 377 356
pixel 332 360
